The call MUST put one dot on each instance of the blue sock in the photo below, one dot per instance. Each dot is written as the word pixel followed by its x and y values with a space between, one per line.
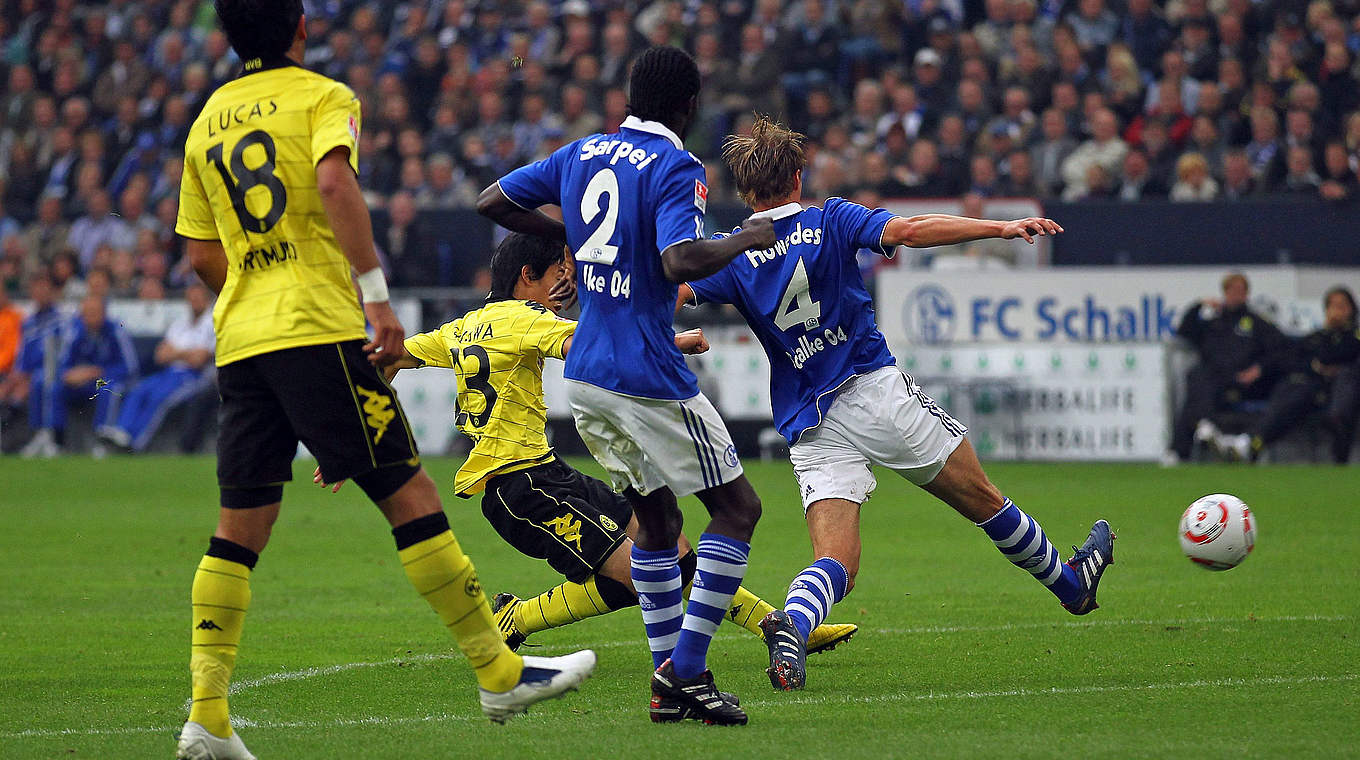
pixel 1022 541
pixel 813 592
pixel 722 563
pixel 656 577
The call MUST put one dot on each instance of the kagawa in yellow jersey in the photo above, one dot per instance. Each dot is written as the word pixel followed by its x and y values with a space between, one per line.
pixel 250 182
pixel 498 352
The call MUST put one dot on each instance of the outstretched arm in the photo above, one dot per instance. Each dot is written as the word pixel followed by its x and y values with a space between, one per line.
pixel 929 230
pixel 494 205
pixel 696 259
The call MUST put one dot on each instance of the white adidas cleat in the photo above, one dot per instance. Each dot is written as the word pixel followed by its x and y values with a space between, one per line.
pixel 198 743
pixel 543 678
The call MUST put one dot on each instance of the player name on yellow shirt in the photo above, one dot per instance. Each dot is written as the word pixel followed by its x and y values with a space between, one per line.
pixel 240 114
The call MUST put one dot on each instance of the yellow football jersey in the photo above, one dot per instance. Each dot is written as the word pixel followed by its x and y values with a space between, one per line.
pixel 250 182
pixel 498 352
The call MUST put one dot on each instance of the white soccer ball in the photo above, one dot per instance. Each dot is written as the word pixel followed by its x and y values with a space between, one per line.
pixel 1218 531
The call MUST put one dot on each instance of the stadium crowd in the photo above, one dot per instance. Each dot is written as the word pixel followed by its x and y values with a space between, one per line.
pixel 1195 100
pixel 1191 100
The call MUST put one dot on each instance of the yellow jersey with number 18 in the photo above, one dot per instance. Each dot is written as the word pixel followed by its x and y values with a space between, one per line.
pixel 498 352
pixel 250 182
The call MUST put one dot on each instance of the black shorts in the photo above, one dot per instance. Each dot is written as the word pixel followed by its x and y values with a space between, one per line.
pixel 553 512
pixel 327 396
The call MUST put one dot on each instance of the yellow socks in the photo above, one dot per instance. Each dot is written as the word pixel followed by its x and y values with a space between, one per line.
pixel 571 602
pixel 748 610
pixel 439 570
pixel 221 595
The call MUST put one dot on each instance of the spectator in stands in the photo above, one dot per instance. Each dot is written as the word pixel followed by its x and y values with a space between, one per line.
pixel 185 356
pixel 9 226
pixel 1339 181
pixel 1051 151
pixel 1238 353
pixel 96 361
pixel 1300 180
pixel 1264 151
pixel 1322 373
pixel 1193 182
pixel 1104 149
pixel 1238 182
pixel 65 274
pixel 409 245
pixel 97 227
pixel 1137 182
pixel 11 334
pixel 1146 32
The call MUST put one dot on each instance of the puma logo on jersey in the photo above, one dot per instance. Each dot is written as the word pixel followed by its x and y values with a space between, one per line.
pixel 567 528
pixel 379 411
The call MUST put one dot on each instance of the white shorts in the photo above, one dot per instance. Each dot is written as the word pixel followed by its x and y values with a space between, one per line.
pixel 649 443
pixel 881 418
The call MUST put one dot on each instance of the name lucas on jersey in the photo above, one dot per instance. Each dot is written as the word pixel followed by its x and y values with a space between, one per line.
pixel 230 117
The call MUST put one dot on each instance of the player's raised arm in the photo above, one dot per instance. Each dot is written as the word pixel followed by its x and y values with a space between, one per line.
pixel 929 230
pixel 696 259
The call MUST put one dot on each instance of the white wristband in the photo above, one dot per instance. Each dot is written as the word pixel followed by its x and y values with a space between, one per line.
pixel 373 285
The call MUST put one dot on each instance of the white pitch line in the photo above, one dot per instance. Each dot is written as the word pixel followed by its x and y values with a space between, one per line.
pixel 303 674
pixel 932 696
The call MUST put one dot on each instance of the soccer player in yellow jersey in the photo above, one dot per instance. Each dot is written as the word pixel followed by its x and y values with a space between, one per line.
pixel 536 502
pixel 275 222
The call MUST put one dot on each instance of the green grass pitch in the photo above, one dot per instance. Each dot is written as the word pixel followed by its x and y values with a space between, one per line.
pixel 959 653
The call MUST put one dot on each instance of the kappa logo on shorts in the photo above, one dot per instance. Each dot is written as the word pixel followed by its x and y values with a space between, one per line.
pixel 608 524
pixel 378 407
pixel 730 456
pixel 567 528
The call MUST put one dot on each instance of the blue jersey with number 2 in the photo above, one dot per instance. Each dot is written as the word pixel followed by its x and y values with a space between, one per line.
pixel 806 302
pixel 625 198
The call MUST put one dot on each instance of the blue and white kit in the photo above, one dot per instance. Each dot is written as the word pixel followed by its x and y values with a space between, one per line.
pixel 837 395
pixel 625 198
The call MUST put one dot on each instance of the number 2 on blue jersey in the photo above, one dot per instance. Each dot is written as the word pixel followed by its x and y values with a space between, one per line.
pixel 597 249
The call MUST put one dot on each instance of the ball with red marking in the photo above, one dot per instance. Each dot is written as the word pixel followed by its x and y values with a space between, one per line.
pixel 1218 531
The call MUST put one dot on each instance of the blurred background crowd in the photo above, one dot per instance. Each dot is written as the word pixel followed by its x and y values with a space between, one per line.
pixel 1194 100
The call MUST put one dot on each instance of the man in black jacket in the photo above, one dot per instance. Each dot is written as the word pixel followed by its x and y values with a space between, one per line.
pixel 1323 373
pixel 1238 349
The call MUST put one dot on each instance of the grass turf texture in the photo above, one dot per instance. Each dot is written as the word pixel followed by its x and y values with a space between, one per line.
pixel 959 653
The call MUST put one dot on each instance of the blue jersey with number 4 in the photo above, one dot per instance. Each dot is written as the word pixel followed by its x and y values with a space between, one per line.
pixel 806 302
pixel 625 198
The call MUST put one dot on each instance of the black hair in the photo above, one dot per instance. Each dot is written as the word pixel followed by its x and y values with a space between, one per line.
pixel 661 84
pixel 1344 292
pixel 514 253
pixel 259 29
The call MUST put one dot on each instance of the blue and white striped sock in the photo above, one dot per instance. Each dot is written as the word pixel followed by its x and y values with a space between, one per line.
pixel 1021 539
pixel 656 577
pixel 813 592
pixel 722 563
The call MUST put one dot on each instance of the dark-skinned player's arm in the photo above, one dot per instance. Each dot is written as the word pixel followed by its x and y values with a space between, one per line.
pixel 348 216
pixel 494 205
pixel 929 230
pixel 697 259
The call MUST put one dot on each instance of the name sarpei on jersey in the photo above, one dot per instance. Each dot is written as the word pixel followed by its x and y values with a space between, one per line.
pixel 622 150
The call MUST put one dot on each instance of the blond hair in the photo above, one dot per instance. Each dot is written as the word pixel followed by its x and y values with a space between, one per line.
pixel 765 163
